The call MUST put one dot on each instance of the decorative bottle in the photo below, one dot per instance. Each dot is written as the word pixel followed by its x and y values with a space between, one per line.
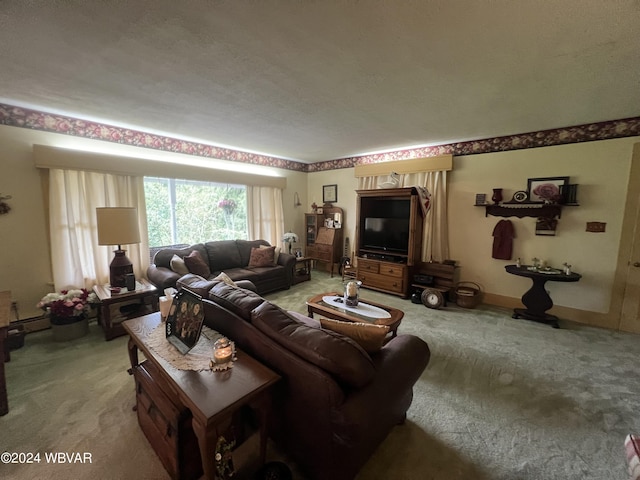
pixel 497 196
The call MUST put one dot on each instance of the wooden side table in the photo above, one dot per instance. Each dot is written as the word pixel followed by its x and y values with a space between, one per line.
pixel 211 397
pixel 302 272
pixel 117 307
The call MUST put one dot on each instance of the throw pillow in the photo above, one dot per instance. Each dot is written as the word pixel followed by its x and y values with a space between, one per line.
pixel 261 257
pixel 276 253
pixel 178 265
pixel 369 336
pixel 223 277
pixel 196 264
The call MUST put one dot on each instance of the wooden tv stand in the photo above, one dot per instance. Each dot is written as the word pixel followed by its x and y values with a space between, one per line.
pixel 381 270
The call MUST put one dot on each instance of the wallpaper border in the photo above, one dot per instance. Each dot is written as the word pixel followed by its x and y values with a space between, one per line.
pixel 49 122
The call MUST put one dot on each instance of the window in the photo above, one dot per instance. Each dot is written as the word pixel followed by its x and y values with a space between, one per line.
pixel 188 212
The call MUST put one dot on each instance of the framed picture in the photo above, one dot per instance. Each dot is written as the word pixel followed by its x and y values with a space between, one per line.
pixel 184 323
pixel 546 190
pixel 481 198
pixel 329 193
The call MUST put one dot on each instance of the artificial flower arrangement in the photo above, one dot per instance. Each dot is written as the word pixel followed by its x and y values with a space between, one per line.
pixel 290 238
pixel 67 306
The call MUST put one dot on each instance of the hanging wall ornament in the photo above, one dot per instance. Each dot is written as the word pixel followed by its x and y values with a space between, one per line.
pixel 4 206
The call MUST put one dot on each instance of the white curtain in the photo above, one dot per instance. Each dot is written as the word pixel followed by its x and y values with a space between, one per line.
pixel 435 240
pixel 265 214
pixel 77 259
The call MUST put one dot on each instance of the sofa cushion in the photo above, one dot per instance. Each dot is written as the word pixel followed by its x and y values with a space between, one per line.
pixel 196 264
pixel 335 353
pixel 178 265
pixel 367 335
pixel 163 257
pixel 223 255
pixel 244 249
pixel 237 300
pixel 196 284
pixel 261 257
pixel 223 277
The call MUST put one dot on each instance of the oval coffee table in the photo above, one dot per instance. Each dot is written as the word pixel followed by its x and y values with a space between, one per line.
pixel 319 306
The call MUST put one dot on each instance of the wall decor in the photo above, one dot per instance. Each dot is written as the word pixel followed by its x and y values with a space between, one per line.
pixel 329 193
pixel 4 206
pixel 481 198
pixel 546 190
pixel 546 226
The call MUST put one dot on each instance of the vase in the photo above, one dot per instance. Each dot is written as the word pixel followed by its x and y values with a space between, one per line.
pixel 70 328
pixel 497 196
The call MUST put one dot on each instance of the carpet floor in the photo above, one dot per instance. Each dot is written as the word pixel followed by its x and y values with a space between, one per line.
pixel 501 399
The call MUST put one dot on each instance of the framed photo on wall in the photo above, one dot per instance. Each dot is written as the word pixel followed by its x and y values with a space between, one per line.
pixel 546 190
pixel 329 193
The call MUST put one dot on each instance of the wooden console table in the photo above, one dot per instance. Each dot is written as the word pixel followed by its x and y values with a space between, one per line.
pixel 211 397
pixel 536 299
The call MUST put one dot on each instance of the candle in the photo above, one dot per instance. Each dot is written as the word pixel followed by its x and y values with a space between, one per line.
pixel 222 351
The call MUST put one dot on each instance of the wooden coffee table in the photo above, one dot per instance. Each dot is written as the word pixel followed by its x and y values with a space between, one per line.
pixel 317 305
pixel 211 397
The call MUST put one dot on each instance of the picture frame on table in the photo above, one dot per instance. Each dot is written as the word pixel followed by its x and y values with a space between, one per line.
pixel 329 193
pixel 546 189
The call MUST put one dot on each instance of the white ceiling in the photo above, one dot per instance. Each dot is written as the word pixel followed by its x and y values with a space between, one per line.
pixel 318 80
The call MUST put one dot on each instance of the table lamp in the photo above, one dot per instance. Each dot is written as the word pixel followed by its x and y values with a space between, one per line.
pixel 118 226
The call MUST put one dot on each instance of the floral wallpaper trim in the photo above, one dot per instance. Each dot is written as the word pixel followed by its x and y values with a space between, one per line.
pixel 629 127
pixel 48 122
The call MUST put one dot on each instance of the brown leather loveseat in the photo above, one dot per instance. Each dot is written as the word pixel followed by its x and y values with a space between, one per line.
pixel 335 403
pixel 229 256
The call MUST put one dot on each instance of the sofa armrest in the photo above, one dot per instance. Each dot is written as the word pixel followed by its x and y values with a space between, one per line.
pixel 398 365
pixel 288 261
pixel 162 277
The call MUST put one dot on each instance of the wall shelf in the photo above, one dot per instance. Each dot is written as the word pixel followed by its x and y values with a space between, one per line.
pixel 521 210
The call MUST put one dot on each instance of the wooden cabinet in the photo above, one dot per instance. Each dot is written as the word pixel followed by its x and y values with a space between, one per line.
pixel 323 243
pixel 378 268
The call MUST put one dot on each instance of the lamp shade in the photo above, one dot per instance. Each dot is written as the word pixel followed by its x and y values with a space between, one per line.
pixel 117 225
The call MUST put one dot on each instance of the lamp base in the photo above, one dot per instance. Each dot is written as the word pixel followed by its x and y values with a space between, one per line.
pixel 119 267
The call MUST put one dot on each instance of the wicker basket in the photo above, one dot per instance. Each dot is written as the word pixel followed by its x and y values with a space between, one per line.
pixel 468 294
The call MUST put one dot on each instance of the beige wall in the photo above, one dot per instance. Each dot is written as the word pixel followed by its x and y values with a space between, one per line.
pixel 600 168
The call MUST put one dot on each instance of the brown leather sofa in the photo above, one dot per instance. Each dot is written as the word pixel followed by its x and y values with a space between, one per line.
pixel 335 403
pixel 228 256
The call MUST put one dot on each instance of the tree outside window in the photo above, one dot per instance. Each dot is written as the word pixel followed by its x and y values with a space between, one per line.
pixel 187 211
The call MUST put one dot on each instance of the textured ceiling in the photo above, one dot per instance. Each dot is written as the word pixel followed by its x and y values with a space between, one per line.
pixel 319 80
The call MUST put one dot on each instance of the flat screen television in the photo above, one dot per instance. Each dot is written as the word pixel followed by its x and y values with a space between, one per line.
pixel 386 234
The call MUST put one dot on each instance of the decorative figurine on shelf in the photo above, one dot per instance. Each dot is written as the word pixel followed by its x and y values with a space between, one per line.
pixel 314 207
pixel 567 268
pixel 497 196
pixel 536 264
pixel 518 262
